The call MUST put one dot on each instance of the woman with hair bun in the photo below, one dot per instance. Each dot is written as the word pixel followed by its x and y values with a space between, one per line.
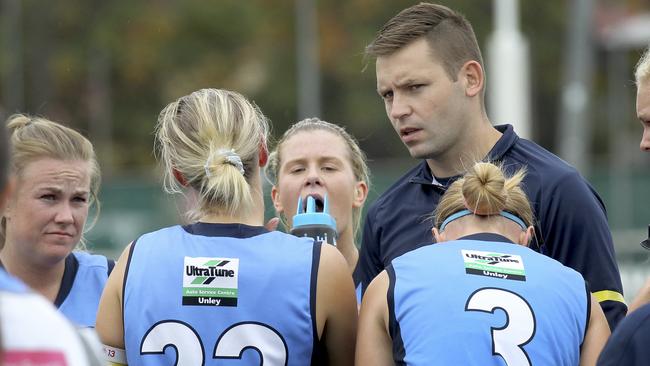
pixel 57 180
pixel 480 296
pixel 224 287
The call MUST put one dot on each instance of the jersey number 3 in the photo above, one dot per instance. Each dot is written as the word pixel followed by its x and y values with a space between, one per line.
pixel 232 343
pixel 507 341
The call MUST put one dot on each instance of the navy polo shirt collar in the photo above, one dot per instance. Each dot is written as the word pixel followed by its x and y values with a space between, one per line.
pixel 505 142
pixel 422 175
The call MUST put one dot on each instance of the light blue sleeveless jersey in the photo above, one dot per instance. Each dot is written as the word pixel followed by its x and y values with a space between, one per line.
pixel 9 283
pixel 80 306
pixel 220 294
pixel 471 302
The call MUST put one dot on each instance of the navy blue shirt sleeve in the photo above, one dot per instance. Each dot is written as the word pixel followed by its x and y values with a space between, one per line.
pixel 628 345
pixel 574 229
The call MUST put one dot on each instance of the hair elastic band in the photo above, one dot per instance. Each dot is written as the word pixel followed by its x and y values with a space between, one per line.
pixel 466 212
pixel 231 158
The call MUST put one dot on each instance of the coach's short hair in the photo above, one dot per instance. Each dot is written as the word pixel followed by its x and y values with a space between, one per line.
pixel 642 69
pixel 447 32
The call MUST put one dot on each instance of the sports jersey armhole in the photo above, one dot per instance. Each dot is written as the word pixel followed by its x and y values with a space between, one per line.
pixel 126 275
pixel 588 313
pixel 67 280
pixel 393 326
pixel 318 355
pixel 110 264
pixel 356 275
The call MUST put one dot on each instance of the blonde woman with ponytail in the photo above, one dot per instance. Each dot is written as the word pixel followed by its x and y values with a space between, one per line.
pixel 223 286
pixel 480 296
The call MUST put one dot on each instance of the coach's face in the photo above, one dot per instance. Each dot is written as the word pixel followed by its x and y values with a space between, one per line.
pixel 425 106
pixel 643 112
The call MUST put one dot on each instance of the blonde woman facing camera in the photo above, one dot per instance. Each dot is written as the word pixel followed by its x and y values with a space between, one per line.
pixel 319 159
pixel 57 180
pixel 224 287
pixel 480 296
pixel 32 331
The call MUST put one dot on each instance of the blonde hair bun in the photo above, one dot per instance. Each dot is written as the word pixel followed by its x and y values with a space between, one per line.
pixel 484 189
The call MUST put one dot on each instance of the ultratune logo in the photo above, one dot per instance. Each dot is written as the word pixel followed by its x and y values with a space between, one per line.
pixel 207 275
pixel 490 264
pixel 492 258
pixel 210 281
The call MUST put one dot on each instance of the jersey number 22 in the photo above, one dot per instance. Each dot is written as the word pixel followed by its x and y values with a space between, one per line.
pixel 231 343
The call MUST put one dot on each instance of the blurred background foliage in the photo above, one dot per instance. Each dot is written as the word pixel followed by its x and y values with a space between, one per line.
pixel 108 67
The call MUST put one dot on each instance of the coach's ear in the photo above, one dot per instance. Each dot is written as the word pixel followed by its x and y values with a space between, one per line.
pixel 473 78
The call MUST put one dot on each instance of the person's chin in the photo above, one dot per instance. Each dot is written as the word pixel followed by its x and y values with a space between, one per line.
pixel 60 247
pixel 414 149
pixel 53 256
pixel 422 151
pixel 418 154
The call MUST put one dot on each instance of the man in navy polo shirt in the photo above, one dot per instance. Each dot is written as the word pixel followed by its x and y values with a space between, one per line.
pixel 629 344
pixel 430 75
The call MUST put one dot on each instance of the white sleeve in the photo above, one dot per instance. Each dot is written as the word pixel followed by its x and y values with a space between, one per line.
pixel 33 332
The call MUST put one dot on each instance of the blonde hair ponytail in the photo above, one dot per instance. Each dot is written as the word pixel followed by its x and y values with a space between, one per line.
pixel 212 138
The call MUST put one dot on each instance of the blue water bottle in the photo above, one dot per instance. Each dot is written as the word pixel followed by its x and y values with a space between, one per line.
pixel 318 225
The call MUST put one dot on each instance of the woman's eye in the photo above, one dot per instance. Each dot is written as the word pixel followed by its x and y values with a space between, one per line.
pixel 80 199
pixel 48 197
